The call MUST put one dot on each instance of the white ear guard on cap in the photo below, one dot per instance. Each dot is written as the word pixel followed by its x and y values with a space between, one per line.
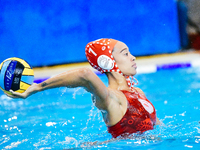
pixel 105 62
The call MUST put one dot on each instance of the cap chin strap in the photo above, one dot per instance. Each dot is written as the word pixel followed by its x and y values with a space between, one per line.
pixel 131 81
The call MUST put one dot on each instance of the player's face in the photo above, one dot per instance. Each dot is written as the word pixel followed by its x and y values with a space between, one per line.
pixel 124 59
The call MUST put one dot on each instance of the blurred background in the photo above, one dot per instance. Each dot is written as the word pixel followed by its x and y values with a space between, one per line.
pixel 49 32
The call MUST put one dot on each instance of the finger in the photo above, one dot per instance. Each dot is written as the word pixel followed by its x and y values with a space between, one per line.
pixel 16 94
pixel 9 95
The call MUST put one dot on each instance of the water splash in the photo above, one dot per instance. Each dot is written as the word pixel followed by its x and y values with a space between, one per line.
pixel 91 114
pixel 71 141
pixel 75 92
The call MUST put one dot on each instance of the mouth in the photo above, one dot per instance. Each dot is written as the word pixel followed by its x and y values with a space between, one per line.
pixel 134 65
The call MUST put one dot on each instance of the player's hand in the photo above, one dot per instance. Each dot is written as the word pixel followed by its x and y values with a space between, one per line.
pixel 31 90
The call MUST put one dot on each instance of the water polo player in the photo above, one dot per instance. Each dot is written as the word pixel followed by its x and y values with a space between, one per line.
pixel 124 108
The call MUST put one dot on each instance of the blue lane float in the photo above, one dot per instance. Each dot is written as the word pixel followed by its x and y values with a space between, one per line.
pixel 173 66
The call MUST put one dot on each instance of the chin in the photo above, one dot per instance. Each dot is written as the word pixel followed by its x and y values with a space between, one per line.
pixel 134 73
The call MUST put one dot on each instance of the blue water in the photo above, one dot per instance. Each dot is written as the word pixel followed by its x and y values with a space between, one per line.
pixel 65 118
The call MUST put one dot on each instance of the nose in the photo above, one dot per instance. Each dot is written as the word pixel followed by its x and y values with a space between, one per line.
pixel 133 58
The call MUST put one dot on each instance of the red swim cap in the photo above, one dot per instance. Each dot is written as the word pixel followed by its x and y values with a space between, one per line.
pixel 99 55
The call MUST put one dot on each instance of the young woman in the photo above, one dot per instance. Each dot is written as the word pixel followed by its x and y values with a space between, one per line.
pixel 124 108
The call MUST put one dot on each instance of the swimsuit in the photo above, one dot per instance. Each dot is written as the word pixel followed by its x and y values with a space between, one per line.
pixel 139 117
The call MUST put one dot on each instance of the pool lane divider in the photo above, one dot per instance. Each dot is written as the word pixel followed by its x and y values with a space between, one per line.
pixel 154 67
pixel 145 69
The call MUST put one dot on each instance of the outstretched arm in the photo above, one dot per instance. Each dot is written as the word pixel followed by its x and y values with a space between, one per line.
pixel 83 77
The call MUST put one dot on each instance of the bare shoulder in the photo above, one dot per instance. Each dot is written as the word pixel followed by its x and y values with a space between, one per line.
pixel 116 96
pixel 117 100
pixel 140 91
pixel 116 108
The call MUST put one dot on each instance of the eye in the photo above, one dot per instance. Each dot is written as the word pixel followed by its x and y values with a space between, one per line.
pixel 126 54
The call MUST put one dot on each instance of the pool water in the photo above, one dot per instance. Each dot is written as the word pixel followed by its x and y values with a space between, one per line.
pixel 65 118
